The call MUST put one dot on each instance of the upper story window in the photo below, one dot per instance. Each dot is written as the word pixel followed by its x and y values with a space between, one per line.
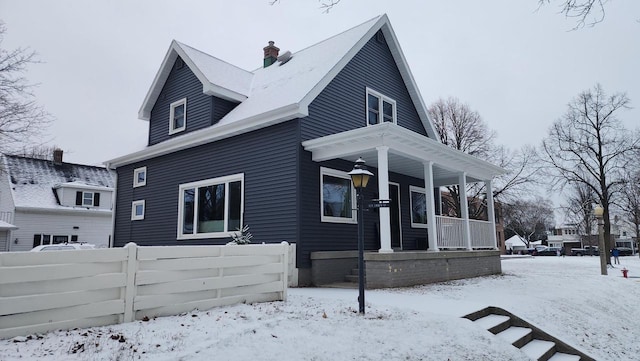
pixel 139 177
pixel 380 108
pixel 418 207
pixel 337 197
pixel 87 199
pixel 211 208
pixel 178 116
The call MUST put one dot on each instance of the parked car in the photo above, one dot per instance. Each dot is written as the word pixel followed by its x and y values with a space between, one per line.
pixel 586 251
pixel 549 251
pixel 63 247
pixel 625 251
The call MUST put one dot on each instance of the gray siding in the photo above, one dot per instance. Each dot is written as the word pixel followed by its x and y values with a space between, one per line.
pixel 341 106
pixel 267 158
pixel 318 236
pixel 202 110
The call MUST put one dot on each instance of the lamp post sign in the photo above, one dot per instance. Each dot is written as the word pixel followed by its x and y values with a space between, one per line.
pixel 360 177
pixel 380 203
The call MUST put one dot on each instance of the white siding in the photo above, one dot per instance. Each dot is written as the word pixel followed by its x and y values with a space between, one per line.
pixel 67 196
pixel 3 241
pixel 93 227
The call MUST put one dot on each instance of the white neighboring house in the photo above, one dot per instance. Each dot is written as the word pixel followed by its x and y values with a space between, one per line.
pixel 43 202
pixel 516 244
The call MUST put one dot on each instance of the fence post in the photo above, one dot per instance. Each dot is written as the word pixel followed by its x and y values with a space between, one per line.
pixel 130 288
pixel 285 267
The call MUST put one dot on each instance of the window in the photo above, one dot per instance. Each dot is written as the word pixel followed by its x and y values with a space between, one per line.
pixel 380 108
pixel 87 199
pixel 418 207
pixel 211 208
pixel 137 210
pixel 178 116
pixel 337 197
pixel 139 177
pixel 60 239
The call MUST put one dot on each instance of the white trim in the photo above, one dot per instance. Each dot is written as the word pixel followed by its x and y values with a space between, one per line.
pixel 399 195
pixel 136 172
pixel 93 195
pixel 172 108
pixel 330 219
pixel 415 189
pixel 134 205
pixel 381 100
pixel 208 182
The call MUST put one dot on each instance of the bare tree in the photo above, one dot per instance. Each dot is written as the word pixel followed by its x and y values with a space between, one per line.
pixel 37 152
pixel 586 12
pixel 579 211
pixel 590 146
pixel 630 202
pixel 462 128
pixel 325 5
pixel 21 118
pixel 529 219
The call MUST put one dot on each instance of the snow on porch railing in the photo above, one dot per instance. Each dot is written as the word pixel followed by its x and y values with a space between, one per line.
pixel 481 234
pixel 450 232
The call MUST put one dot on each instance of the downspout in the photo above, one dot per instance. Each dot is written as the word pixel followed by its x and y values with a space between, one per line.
pixel 113 207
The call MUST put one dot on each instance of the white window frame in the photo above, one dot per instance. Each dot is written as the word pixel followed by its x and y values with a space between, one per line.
pixel 203 183
pixel 381 99
pixel 137 172
pixel 172 108
pixel 134 205
pixel 330 219
pixel 84 197
pixel 415 189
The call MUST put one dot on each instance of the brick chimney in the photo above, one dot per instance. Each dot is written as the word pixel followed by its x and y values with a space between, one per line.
pixel 270 54
pixel 57 156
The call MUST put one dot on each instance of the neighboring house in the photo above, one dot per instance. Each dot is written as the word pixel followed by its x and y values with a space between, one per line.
pixel 516 244
pixel 271 148
pixel 44 201
pixel 567 236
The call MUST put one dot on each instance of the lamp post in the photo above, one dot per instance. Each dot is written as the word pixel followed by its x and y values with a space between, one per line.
pixel 360 177
pixel 598 211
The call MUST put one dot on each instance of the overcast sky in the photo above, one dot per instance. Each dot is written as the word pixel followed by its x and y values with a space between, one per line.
pixel 516 65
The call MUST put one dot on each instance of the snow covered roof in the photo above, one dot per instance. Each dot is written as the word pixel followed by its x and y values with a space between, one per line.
pixel 516 241
pixel 32 180
pixel 5 226
pixel 270 95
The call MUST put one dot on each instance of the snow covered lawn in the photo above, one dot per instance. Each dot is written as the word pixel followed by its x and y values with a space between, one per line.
pixel 566 297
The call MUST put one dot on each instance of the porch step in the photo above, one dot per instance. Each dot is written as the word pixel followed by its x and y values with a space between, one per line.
pixel 531 340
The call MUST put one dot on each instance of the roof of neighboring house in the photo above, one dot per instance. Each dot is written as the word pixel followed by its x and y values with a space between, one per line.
pixel 270 95
pixel 32 181
pixel 516 241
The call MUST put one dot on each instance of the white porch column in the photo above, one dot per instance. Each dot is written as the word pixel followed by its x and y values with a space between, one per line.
pixel 464 208
pixel 383 191
pixel 491 213
pixel 431 207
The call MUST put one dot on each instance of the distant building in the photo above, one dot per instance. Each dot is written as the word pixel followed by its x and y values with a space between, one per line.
pixel 49 201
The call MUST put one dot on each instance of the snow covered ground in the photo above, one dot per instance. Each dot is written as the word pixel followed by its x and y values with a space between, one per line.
pixel 566 297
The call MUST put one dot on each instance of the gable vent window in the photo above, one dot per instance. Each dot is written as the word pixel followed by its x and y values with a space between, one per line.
pixel 178 116
pixel 87 199
pixel 380 108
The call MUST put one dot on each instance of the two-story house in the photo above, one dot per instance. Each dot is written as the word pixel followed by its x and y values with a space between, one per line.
pixel 50 201
pixel 271 148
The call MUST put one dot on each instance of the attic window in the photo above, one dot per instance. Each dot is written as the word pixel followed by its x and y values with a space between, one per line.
pixel 380 108
pixel 139 177
pixel 87 199
pixel 178 116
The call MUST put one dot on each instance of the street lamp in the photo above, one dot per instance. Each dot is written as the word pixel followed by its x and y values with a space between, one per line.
pixel 598 212
pixel 360 177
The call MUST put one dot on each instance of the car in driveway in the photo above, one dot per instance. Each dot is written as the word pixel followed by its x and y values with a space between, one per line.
pixel 625 251
pixel 63 247
pixel 549 251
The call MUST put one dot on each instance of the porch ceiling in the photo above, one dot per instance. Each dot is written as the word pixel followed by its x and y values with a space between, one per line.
pixel 408 151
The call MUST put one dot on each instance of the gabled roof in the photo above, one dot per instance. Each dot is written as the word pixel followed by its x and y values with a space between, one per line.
pixel 32 180
pixel 274 94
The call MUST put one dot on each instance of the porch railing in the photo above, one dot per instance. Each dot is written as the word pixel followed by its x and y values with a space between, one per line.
pixel 450 232
pixel 481 234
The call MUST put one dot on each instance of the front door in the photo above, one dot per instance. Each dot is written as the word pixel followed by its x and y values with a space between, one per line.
pixel 394 208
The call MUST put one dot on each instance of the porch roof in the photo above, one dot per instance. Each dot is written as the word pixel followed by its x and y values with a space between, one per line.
pixel 408 151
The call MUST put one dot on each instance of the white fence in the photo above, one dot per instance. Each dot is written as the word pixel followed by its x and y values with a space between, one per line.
pixel 450 233
pixel 46 291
